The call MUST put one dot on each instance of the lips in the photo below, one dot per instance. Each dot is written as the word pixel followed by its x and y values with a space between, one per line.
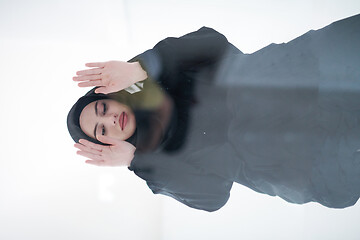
pixel 123 120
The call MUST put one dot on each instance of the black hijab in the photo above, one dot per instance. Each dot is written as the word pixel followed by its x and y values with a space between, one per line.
pixel 73 118
pixel 144 104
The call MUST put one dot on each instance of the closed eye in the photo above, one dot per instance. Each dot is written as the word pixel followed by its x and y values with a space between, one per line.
pixel 104 108
pixel 103 130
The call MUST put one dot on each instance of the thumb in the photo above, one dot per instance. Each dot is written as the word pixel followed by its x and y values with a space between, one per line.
pixel 106 90
pixel 102 90
pixel 107 140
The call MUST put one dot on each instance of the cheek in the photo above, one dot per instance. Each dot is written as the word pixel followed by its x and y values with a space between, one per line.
pixel 132 127
pixel 115 133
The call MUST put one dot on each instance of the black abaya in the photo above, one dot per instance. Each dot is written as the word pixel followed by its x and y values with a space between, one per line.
pixel 283 121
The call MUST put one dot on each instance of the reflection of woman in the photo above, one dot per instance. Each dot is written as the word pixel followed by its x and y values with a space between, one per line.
pixel 282 121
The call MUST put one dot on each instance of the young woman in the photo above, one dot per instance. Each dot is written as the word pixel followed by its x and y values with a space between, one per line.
pixel 194 114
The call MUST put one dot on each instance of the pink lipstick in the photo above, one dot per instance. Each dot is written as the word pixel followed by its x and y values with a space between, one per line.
pixel 123 120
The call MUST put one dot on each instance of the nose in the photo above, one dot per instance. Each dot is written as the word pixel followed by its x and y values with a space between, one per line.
pixel 111 118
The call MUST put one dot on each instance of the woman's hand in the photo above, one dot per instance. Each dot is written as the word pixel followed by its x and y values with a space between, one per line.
pixel 119 153
pixel 111 76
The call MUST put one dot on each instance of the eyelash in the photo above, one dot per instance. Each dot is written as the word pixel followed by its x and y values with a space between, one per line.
pixel 103 130
pixel 104 108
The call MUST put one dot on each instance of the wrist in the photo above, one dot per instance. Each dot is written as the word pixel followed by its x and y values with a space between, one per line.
pixel 139 73
pixel 132 155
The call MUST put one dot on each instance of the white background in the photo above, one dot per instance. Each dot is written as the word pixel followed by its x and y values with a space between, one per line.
pixel 48 192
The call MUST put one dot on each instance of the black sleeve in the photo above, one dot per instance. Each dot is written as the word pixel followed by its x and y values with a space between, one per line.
pixel 191 52
pixel 166 64
pixel 190 185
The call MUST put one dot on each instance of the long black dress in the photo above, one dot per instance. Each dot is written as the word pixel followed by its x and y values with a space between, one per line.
pixel 283 121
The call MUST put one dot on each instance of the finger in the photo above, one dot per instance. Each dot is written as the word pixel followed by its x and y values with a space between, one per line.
pixel 90 83
pixel 87 78
pixel 89 71
pixel 95 64
pixel 87 149
pixel 92 145
pixel 107 140
pixel 89 155
pixel 96 163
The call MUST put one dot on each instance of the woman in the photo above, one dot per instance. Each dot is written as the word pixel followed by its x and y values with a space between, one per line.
pixel 283 121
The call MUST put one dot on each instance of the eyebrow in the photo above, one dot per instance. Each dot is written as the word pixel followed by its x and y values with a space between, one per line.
pixel 96 112
pixel 95 130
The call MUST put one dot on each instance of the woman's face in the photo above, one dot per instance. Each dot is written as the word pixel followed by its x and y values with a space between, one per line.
pixel 107 117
